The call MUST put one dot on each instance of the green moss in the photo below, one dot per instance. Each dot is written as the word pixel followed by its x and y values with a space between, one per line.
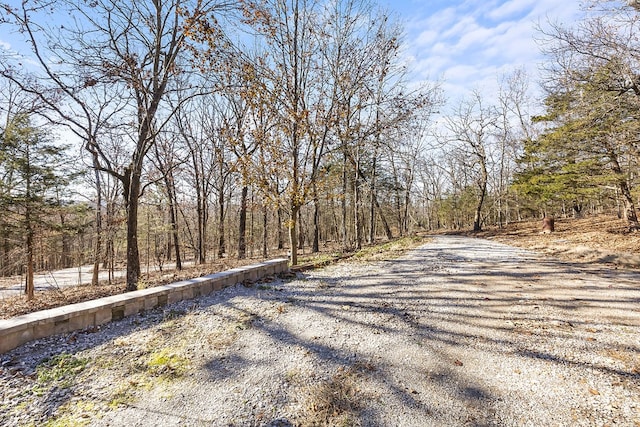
pixel 166 362
pixel 121 397
pixel 73 414
pixel 245 321
pixel 60 371
pixel 173 314
pixel 66 421
pixel 125 391
pixel 20 406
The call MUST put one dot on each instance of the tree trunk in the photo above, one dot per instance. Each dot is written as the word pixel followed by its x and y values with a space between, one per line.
pixel 374 163
pixel 383 218
pixel 199 214
pixel 629 206
pixel 109 252
pixel 4 263
pixel 301 233
pixel 242 226
pixel 407 202
pixel 577 210
pixel 67 260
pixel 357 225
pixel 477 219
pixel 222 245
pixel 133 255
pixel 98 246
pixel 202 229
pixel 372 205
pixel 280 234
pixel 265 234
pixel 335 228
pixel 252 228
pixel 316 223
pixel 173 217
pixel 372 222
pixel 293 236
pixel 169 242
pixel 343 202
pixel 173 240
pixel 29 288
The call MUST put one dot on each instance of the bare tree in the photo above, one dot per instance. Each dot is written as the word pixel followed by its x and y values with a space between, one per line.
pixel 236 102
pixel 134 51
pixel 471 128
pixel 166 161
pixel 515 128
pixel 288 26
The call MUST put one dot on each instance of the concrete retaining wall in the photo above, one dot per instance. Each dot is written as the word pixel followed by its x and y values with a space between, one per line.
pixel 19 330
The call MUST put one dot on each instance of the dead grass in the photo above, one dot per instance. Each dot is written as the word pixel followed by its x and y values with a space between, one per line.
pixel 338 400
pixel 598 239
pixel 390 250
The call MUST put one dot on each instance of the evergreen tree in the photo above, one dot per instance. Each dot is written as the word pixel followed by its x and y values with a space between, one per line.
pixel 33 167
pixel 590 143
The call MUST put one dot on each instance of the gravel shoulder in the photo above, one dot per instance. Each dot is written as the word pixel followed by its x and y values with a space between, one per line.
pixel 459 332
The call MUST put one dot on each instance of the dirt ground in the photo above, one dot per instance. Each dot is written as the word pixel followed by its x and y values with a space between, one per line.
pixel 459 331
pixel 603 239
pixel 600 239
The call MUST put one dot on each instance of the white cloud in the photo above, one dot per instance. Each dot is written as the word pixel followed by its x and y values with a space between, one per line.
pixel 472 43
pixel 426 38
pixel 510 8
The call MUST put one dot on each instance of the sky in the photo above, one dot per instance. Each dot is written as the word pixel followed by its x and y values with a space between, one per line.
pixel 470 44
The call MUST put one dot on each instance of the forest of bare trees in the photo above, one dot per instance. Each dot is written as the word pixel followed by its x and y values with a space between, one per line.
pixel 156 131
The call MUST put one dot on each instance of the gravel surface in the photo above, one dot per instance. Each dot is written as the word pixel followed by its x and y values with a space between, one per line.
pixel 459 332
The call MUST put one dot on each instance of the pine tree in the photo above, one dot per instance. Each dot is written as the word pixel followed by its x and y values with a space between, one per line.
pixel 34 166
pixel 589 144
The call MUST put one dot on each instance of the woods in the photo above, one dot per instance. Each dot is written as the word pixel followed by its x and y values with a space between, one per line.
pixel 169 130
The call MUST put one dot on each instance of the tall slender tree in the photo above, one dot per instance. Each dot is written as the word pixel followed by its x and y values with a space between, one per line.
pixel 36 167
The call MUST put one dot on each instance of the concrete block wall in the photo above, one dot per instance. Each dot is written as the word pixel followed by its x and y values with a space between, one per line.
pixel 21 329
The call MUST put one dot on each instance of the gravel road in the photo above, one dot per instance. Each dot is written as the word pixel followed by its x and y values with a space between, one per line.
pixel 459 332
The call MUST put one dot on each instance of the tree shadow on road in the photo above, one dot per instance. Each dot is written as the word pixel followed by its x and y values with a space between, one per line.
pixel 450 306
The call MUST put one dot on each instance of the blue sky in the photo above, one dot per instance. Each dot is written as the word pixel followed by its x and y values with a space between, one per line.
pixel 471 43
pixel 468 44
